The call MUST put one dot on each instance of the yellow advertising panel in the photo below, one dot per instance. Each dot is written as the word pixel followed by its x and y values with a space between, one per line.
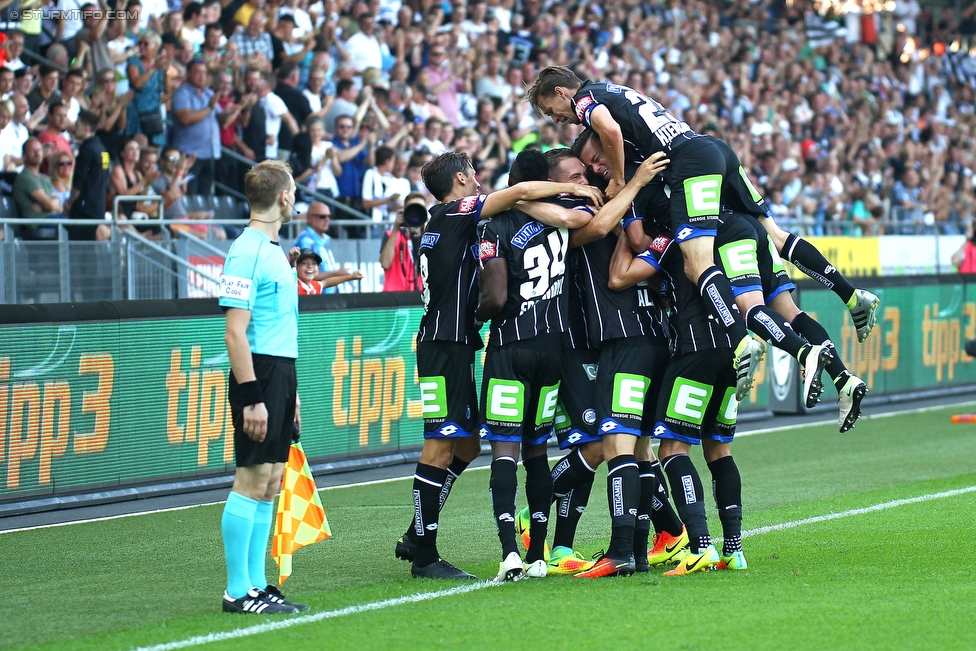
pixel 854 256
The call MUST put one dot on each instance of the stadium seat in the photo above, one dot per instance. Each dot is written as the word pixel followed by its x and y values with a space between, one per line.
pixel 194 202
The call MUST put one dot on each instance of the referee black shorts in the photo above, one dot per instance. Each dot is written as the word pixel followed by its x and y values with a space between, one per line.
pixel 627 384
pixel 445 370
pixel 279 383
pixel 698 398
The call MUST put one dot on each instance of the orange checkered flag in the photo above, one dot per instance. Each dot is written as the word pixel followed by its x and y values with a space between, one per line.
pixel 301 517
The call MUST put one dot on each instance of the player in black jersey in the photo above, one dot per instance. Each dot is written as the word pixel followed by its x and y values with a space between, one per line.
pixel 448 337
pixel 633 126
pixel 522 276
pixel 861 304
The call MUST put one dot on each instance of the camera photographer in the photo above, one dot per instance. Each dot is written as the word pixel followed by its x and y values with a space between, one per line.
pixel 398 255
pixel 965 257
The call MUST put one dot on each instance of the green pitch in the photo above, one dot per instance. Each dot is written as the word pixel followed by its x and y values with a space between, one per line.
pixel 896 577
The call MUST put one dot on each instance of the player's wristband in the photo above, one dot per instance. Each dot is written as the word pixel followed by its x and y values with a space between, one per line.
pixel 252 393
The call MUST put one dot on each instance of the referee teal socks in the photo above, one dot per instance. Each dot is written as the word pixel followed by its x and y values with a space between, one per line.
pixel 257 553
pixel 236 526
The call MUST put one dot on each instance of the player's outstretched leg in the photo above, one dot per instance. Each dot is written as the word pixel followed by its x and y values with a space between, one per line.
pixel 862 304
pixel 572 482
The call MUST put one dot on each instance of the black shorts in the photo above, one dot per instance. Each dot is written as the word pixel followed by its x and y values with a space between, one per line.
pixel 450 402
pixel 696 177
pixel 747 256
pixel 698 398
pixel 739 193
pixel 627 385
pixel 575 420
pixel 520 390
pixel 279 383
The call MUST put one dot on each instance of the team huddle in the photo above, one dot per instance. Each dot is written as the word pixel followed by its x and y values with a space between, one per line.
pixel 631 284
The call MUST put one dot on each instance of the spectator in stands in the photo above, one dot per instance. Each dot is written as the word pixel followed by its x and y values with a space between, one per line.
pixel 61 165
pixel 431 142
pixel 307 266
pixel 51 137
pixel 318 101
pixel 34 194
pixel 964 258
pixel 72 95
pixel 147 78
pixel 253 43
pixel 98 31
pixel 196 130
pixel 126 180
pixel 447 78
pixel 400 246
pixel 111 107
pixel 193 25
pixel 363 47
pixel 355 155
pixel 378 201
pixel 11 149
pixel 314 163
pixel 283 43
pixel 295 101
pixel 908 196
pixel 6 82
pixel 253 138
pixel 343 104
pixel 46 90
pixel 23 81
pixel 316 238
pixel 276 118
pixel 89 186
pixel 171 185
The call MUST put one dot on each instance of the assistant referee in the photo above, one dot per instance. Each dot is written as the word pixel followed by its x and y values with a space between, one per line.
pixel 260 299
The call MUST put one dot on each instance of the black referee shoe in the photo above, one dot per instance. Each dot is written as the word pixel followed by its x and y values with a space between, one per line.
pixel 254 603
pixel 273 594
pixel 440 569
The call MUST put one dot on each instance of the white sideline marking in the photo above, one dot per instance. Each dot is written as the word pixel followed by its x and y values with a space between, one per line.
pixel 861 511
pixel 308 619
pixel 766 430
pixel 426 596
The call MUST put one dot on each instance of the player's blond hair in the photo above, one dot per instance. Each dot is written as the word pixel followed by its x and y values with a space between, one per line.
pixel 264 182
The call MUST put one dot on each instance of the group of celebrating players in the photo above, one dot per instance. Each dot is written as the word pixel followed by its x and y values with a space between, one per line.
pixel 618 315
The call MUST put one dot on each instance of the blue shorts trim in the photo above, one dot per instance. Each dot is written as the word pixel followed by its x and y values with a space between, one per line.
pixel 488 435
pixel 786 287
pixel 739 291
pixel 448 431
pixel 720 438
pixel 687 232
pixel 576 437
pixel 662 431
pixel 609 427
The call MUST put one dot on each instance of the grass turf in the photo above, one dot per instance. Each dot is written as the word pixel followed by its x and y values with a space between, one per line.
pixel 874 581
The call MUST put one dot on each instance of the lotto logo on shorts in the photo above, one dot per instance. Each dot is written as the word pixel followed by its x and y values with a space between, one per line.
pixel 506 401
pixel 739 259
pixel 703 195
pixel 433 395
pixel 628 393
pixel 688 401
pixel 548 402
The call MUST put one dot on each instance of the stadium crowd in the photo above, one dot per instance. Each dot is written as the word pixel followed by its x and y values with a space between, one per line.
pixel 859 123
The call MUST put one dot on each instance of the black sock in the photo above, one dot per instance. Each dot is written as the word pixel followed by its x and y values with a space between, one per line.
pixel 688 494
pixel 453 472
pixel 810 261
pixel 503 486
pixel 623 494
pixel 427 484
pixel 727 487
pixel 716 291
pixel 772 327
pixel 642 529
pixel 815 333
pixel 575 480
pixel 538 493
pixel 663 516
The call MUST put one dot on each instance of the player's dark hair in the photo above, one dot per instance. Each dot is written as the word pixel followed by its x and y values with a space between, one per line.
pixel 582 140
pixel 545 84
pixel 556 156
pixel 438 173
pixel 529 165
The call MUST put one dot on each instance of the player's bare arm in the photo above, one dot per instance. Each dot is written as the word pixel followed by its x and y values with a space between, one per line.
pixel 506 199
pixel 609 216
pixel 239 352
pixel 494 289
pixel 613 144
pixel 626 270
